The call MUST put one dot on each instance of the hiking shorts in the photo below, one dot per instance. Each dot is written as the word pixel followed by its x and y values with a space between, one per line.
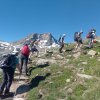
pixel 34 50
pixel 80 41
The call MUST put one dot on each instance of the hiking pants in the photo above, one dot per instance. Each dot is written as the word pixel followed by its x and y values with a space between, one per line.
pixel 91 42
pixel 61 47
pixel 23 63
pixel 8 74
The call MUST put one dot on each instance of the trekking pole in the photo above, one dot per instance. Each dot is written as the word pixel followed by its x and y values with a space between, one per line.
pixel 20 75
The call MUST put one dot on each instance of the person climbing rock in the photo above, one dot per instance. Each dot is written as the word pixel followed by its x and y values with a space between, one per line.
pixel 61 42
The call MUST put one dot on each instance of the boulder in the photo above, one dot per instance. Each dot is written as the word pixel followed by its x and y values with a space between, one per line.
pixel 76 55
pixel 45 62
pixel 42 62
pixel 92 52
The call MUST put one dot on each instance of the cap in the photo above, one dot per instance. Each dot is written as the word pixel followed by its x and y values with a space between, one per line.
pixel 81 31
pixel 15 51
pixel 64 34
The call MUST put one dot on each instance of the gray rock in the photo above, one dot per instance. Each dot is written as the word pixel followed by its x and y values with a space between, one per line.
pixel 84 63
pixel 45 62
pixel 98 59
pixel 76 55
pixel 84 76
pixel 42 62
pixel 69 91
pixel 59 57
pixel 68 80
pixel 92 52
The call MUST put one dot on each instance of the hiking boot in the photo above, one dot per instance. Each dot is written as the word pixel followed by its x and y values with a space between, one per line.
pixel 30 59
pixel 8 94
pixel 1 94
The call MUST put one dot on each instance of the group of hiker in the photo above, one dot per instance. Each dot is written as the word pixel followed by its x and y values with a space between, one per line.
pixel 91 36
pixel 19 59
pixel 9 62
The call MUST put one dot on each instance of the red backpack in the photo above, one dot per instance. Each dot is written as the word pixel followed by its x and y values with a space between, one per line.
pixel 88 36
pixel 25 50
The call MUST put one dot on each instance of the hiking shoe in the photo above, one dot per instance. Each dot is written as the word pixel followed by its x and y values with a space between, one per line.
pixel 30 59
pixel 1 94
pixel 8 94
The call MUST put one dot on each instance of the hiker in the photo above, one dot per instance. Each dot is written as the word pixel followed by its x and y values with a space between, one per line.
pixel 24 56
pixel 78 40
pixel 61 42
pixel 91 36
pixel 8 68
pixel 33 47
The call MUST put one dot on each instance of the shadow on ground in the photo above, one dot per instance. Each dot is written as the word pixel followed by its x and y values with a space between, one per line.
pixel 32 68
pixel 33 83
pixel 7 97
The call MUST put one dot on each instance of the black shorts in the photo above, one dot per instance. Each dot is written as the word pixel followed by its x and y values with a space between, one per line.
pixel 34 50
pixel 78 40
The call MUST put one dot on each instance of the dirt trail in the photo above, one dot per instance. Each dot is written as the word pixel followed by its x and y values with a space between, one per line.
pixel 19 88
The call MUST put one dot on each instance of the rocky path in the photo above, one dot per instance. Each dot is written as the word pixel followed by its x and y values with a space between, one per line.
pixel 18 88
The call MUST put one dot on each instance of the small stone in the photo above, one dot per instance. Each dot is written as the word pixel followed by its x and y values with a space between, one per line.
pixel 68 80
pixel 84 63
pixel 98 59
pixel 70 91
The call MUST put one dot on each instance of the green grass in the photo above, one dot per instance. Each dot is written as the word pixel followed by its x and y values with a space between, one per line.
pixel 79 90
pixel 54 86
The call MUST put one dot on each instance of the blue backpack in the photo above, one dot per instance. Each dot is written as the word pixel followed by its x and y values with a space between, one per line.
pixel 7 61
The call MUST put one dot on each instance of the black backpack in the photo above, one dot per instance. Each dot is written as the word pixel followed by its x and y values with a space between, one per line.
pixel 75 35
pixel 7 61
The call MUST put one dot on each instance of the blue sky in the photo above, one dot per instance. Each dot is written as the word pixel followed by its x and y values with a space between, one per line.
pixel 18 18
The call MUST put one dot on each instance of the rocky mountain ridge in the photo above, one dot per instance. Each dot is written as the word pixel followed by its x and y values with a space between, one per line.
pixel 46 40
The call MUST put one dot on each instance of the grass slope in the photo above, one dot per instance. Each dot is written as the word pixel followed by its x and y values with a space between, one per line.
pixel 62 83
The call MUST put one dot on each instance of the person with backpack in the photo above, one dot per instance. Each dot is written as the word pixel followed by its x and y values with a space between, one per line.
pixel 61 42
pixel 91 37
pixel 33 47
pixel 24 56
pixel 78 40
pixel 8 65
